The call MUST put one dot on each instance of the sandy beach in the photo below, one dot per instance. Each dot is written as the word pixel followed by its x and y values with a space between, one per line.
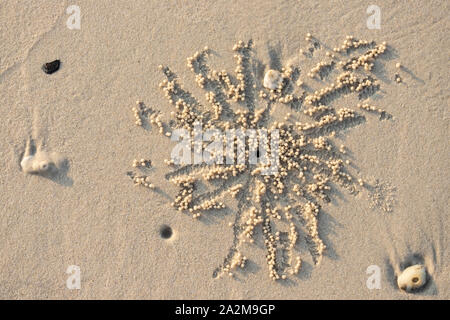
pixel 112 218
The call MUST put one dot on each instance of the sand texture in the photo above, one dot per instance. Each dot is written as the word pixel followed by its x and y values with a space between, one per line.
pixel 87 178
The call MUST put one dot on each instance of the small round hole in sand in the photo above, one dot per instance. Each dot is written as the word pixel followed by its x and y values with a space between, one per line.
pixel 165 232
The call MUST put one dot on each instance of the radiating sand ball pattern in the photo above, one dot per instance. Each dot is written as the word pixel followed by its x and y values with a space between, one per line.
pixel 272 209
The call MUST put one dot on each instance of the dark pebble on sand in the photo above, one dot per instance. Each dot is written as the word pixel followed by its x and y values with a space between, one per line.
pixel 51 67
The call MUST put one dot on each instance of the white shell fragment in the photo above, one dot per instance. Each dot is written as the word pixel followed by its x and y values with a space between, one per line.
pixel 32 164
pixel 39 161
pixel 412 278
pixel 273 79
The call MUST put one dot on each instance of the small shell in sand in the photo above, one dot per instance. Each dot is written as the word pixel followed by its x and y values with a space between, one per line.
pixel 273 79
pixel 39 161
pixel 412 278
pixel 32 164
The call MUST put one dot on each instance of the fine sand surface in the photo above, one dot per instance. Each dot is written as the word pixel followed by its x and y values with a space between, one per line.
pixel 90 215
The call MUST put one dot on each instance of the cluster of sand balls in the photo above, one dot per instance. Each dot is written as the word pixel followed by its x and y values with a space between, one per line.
pixel 236 92
pixel 341 115
pixel 292 240
pixel 142 180
pixel 260 190
pixel 297 266
pixel 156 119
pixel 365 60
pixel 343 80
pixel 223 172
pixel 308 162
pixel 234 190
pixel 321 143
pixel 397 76
pixel 293 235
pixel 183 201
pixel 270 244
pixel 240 76
pixel 253 218
pixel 272 212
pixel 274 243
pixel 346 81
pixel 138 112
pixel 310 212
pixel 371 108
pixel 238 260
pixel 193 62
pixel 208 204
pixel 217 106
pixel 366 83
pixel 351 43
pixel 185 113
pixel 319 67
pixel 143 163
pixel 317 110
